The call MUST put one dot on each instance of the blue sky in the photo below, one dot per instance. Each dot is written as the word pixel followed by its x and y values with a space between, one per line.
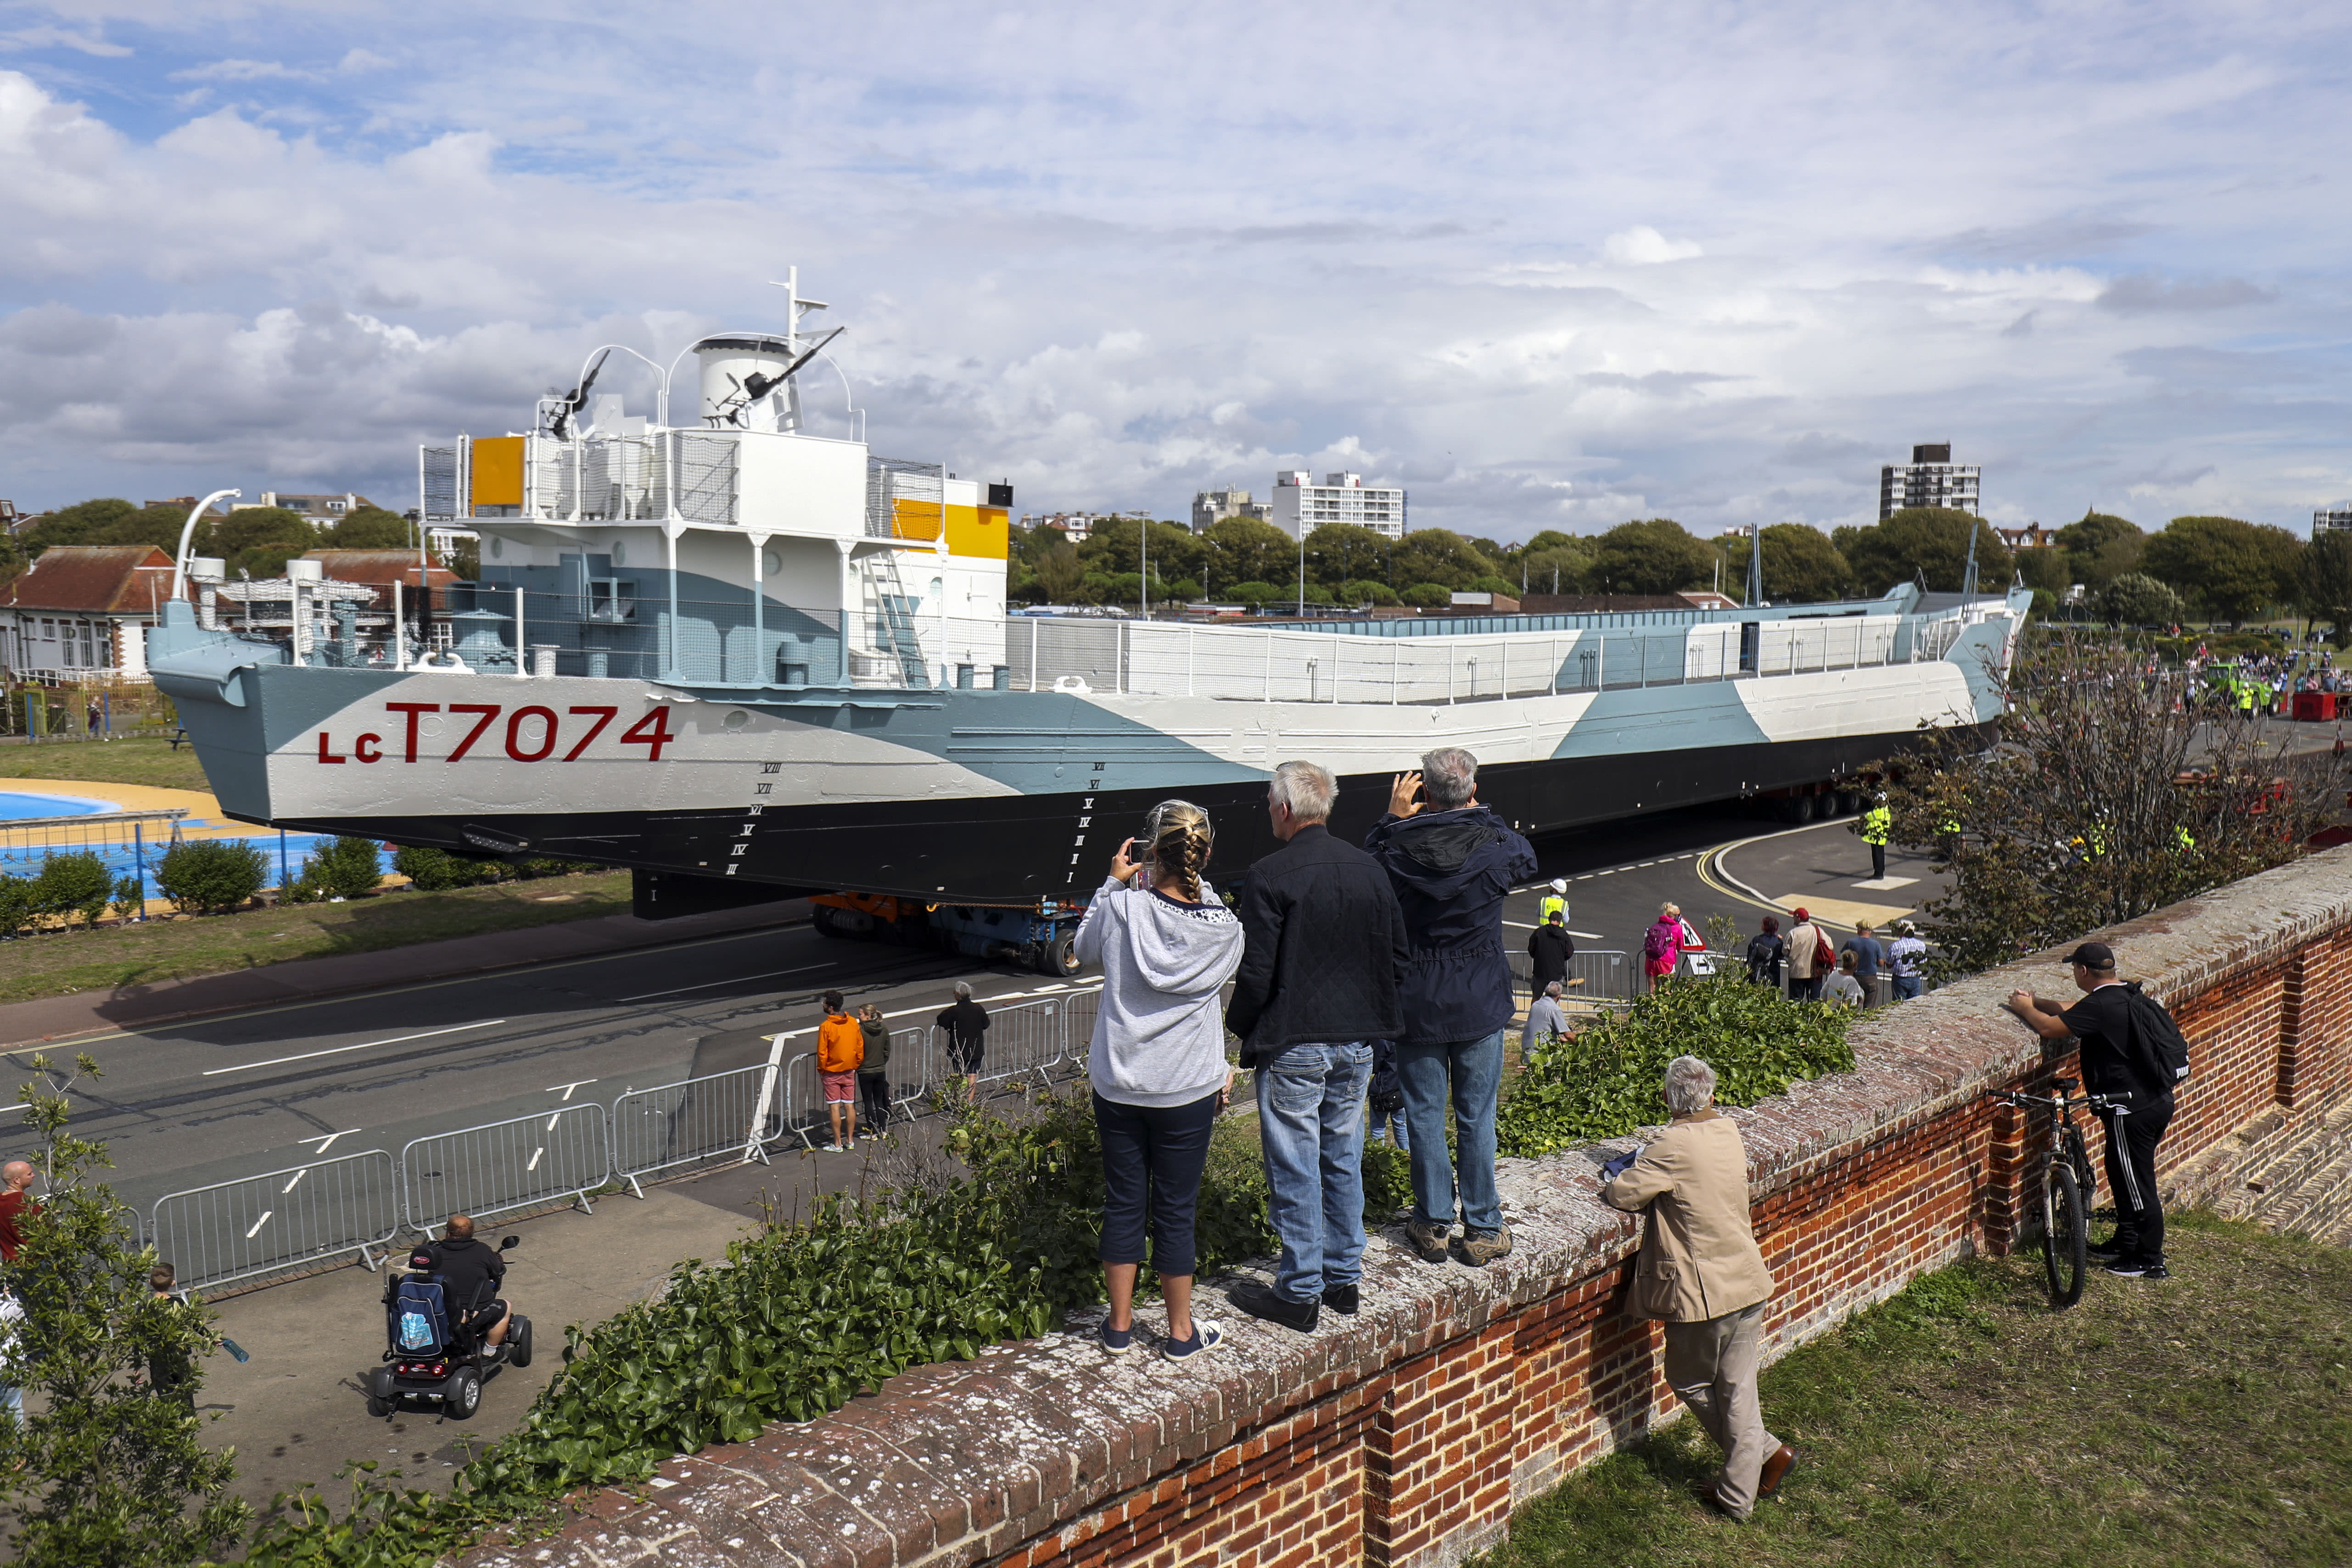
pixel 1548 266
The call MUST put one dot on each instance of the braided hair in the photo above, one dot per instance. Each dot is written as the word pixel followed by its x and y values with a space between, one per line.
pixel 1180 841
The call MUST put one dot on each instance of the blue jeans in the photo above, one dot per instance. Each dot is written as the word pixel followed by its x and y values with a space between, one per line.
pixel 1310 1114
pixel 1152 1157
pixel 1474 1072
pixel 1906 988
pixel 1390 1127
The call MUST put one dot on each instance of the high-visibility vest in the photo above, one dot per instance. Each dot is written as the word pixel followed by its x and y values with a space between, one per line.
pixel 1876 824
pixel 1551 903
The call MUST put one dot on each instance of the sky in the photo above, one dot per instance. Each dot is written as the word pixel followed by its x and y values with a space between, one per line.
pixel 1545 266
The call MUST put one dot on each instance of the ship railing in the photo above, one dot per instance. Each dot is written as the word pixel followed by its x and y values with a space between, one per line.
pixel 1146 658
pixel 279 1222
pixel 524 1162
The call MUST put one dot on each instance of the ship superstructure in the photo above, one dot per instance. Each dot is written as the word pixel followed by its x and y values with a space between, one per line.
pixel 733 653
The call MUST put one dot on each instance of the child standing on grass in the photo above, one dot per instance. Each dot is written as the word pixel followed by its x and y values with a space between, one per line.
pixel 840 1051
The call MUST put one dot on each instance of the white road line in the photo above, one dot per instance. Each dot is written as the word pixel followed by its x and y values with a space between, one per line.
pixel 326 1140
pixel 681 990
pixel 567 1087
pixel 339 1050
pixel 258 1224
pixel 1008 996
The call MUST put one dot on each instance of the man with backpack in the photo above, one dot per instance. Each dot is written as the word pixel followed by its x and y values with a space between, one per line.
pixel 2130 1047
pixel 1810 958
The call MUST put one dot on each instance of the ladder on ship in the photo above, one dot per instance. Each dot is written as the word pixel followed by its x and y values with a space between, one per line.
pixel 890 615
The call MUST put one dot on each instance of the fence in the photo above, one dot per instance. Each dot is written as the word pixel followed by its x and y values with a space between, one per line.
pixel 278 1221
pixel 693 1119
pixel 1599 975
pixel 510 1164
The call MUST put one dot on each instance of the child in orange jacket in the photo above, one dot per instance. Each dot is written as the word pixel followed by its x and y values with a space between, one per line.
pixel 840 1049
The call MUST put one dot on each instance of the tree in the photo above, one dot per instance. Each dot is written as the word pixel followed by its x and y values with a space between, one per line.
pixel 2101 548
pixel 373 528
pixel 2136 599
pixel 1555 562
pixel 1244 550
pixel 261 538
pixel 1655 556
pixel 2110 791
pixel 1339 552
pixel 1365 591
pixel 1929 542
pixel 1055 562
pixel 73 525
pixel 2045 568
pixel 2326 591
pixel 1800 565
pixel 1428 595
pixel 1438 555
pixel 2232 568
pixel 108 1471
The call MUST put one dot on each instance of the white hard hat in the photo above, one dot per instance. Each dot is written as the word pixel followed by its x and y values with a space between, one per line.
pixel 1559 884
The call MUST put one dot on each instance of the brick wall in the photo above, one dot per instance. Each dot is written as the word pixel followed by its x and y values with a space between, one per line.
pixel 1404 1437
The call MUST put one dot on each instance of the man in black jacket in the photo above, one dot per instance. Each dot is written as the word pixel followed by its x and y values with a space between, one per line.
pixel 1549 948
pixel 1451 864
pixel 1324 953
pixel 471 1276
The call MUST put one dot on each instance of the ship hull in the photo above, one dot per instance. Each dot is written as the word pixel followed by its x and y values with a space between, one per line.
pixel 976 796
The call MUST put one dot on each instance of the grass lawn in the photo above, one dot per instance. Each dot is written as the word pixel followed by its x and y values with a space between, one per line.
pixel 2202 1420
pixel 131 762
pixel 62 962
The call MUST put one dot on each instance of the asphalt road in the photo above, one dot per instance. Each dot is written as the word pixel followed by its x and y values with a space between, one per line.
pixel 185 1104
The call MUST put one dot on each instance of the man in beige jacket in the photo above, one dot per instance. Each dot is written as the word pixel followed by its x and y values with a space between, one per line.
pixel 1700 1270
pixel 1806 969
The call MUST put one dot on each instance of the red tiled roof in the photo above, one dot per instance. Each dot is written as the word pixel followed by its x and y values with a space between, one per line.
pixel 377 566
pixel 120 579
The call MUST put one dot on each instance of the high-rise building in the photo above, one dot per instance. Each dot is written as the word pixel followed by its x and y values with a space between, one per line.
pixel 1930 479
pixel 1300 508
pixel 2331 520
pixel 1213 507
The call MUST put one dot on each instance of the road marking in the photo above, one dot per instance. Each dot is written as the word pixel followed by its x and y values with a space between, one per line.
pixel 681 990
pixel 295 1183
pixel 325 1139
pixel 364 1044
pixel 535 1153
pixel 258 1224
pixel 567 1087
pixel 1008 996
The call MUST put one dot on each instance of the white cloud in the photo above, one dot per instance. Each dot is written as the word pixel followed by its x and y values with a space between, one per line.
pixel 1643 246
pixel 1120 257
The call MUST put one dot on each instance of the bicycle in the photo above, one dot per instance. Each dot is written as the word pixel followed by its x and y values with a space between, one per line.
pixel 2069 1187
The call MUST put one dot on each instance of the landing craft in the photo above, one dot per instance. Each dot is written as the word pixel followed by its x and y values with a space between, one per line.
pixel 749 661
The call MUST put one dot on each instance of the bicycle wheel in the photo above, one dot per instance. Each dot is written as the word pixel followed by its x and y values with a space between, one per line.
pixel 2085 1176
pixel 2065 1237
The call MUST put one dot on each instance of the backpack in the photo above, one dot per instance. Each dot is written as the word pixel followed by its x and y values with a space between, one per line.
pixel 2159 1049
pixel 421 1316
pixel 1661 942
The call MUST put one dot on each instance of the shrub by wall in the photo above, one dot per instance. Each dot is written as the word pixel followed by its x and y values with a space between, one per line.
pixel 200 875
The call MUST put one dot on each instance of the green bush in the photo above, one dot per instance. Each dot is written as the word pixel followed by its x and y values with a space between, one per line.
pixel 1366 592
pixel 1609 1080
pixel 205 874
pixel 129 896
pixel 1429 596
pixel 437 871
pixel 803 1318
pixel 16 903
pixel 76 882
pixel 346 868
pixel 535 866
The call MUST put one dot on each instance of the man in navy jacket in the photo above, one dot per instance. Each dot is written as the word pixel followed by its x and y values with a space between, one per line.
pixel 1319 983
pixel 1452 861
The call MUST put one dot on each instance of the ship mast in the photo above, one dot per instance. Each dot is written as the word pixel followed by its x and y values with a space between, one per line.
pixel 795 306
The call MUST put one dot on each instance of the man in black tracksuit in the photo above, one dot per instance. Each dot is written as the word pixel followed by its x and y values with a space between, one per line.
pixel 1549 948
pixel 2116 1061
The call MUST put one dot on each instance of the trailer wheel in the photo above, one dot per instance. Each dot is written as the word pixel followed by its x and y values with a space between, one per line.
pixel 1059 957
pixel 1797 809
pixel 821 918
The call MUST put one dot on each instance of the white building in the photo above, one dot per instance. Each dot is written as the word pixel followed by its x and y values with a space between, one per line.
pixel 1930 479
pixel 2331 520
pixel 1211 508
pixel 1300 508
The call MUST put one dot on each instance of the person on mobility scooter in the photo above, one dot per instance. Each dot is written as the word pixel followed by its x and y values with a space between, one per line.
pixel 447 1326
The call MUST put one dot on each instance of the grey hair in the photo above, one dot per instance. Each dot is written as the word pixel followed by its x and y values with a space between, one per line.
pixel 963 990
pixel 1450 775
pixel 1551 989
pixel 1308 789
pixel 1690 1085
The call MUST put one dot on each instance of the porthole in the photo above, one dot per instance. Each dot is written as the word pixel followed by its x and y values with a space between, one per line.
pixel 737 720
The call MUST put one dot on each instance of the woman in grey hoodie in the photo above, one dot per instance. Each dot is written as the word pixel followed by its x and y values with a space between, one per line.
pixel 1167 946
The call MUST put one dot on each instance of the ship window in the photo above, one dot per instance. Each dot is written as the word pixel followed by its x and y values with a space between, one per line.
pixel 612 599
pixel 1750 632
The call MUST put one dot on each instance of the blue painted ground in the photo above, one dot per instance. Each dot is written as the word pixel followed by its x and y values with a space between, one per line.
pixel 21 860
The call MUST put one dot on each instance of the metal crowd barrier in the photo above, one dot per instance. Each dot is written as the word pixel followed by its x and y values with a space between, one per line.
pixel 692 1120
pixel 283 1220
pixel 508 1165
pixel 279 1220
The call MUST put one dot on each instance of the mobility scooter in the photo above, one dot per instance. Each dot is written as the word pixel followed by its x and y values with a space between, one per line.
pixel 433 1353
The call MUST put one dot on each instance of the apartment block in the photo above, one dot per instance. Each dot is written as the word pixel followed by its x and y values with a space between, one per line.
pixel 1300 507
pixel 1930 479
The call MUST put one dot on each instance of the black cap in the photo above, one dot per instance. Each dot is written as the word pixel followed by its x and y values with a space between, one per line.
pixel 2093 955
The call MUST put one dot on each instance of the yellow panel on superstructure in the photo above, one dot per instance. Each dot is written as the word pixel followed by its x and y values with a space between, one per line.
pixel 914 518
pixel 497 471
pixel 982 532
